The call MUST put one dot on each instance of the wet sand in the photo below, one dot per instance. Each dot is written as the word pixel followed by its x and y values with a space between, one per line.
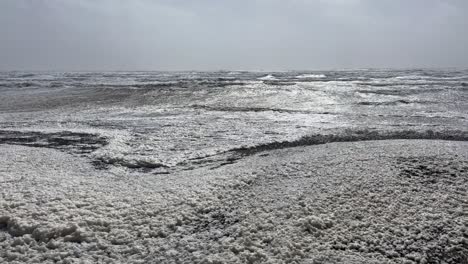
pixel 389 201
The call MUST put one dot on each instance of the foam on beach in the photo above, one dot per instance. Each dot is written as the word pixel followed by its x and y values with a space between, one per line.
pixel 360 202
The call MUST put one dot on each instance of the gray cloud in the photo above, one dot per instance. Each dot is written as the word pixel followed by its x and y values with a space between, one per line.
pixel 243 34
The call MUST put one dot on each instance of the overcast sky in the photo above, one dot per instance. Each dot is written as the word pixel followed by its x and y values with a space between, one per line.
pixel 236 34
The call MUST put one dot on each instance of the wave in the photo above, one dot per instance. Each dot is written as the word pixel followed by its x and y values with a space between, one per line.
pixel 397 102
pixel 311 76
pixel 400 91
pixel 235 154
pixel 25 75
pixel 269 77
pixel 234 73
pixel 355 136
pixel 247 109
pixel 278 83
pixel 430 77
pixel 218 83
pixel 388 83
pixel 412 77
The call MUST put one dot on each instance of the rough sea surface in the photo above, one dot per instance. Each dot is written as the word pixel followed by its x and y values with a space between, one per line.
pixel 362 166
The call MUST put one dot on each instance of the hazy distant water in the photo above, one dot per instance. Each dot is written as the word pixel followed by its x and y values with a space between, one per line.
pixel 176 118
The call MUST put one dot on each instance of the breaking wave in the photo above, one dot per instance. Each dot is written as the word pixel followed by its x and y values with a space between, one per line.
pixel 268 77
pixel 234 154
pixel 311 76
pixel 396 102
pixel 247 109
pixel 355 136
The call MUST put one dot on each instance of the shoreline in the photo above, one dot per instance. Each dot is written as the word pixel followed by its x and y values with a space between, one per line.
pixel 387 201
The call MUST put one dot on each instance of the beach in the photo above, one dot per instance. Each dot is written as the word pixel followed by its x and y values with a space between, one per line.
pixel 389 201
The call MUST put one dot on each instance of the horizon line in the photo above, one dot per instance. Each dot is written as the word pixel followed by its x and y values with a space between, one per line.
pixel 249 70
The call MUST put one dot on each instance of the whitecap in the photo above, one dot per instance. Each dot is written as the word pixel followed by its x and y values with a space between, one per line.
pixel 311 76
pixel 269 77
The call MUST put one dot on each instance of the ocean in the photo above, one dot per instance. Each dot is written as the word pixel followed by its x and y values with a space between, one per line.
pixel 165 121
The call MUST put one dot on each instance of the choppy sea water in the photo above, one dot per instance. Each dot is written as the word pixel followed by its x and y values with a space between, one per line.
pixel 163 121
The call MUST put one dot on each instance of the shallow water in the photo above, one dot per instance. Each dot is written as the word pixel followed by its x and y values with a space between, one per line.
pixel 160 121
